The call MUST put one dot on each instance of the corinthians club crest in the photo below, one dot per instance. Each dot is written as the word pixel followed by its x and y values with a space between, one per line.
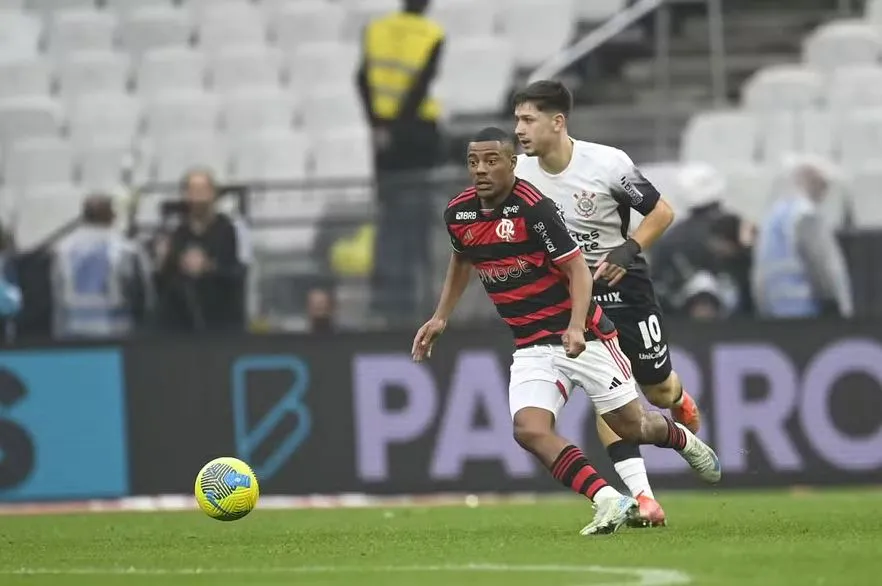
pixel 584 202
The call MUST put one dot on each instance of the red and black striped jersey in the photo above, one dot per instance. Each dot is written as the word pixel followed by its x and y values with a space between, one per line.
pixel 515 250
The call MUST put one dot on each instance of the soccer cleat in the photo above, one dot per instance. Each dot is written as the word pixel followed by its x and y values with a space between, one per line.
pixel 610 515
pixel 649 513
pixel 687 413
pixel 700 456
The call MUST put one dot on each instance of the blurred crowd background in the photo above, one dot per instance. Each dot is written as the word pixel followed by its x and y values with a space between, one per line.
pixel 278 165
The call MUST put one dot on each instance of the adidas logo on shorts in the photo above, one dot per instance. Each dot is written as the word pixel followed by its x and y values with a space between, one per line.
pixel 615 383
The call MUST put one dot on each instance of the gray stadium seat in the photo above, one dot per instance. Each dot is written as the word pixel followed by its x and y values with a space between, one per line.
pixel 555 18
pixel 95 117
pixel 466 19
pixel 271 156
pixel 307 21
pixel 50 6
pixel 222 24
pixel 255 110
pixel 11 5
pixel 201 8
pixel 783 87
pixel 125 7
pixel 599 10
pixel 101 163
pixel 865 196
pixel 33 117
pixel 332 108
pixel 818 133
pixel 346 153
pixel 749 190
pixel 861 138
pixel 855 86
pixel 76 30
pixel 19 33
pixel 176 154
pixel 721 138
pixel 44 209
pixel 155 27
pixel 842 42
pixel 190 112
pixel 245 68
pixel 170 70
pixel 322 64
pixel 360 12
pixel 39 161
pixel 25 76
pixel 465 66
pixel 93 72
pixel 779 135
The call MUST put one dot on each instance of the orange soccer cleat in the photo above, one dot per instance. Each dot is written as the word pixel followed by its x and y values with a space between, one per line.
pixel 687 413
pixel 650 513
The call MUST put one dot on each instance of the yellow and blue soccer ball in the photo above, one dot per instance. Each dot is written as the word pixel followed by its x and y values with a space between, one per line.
pixel 227 489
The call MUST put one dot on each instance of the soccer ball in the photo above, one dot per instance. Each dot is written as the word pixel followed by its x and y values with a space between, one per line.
pixel 226 489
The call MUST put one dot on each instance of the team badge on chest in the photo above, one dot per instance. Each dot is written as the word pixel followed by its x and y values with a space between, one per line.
pixel 584 203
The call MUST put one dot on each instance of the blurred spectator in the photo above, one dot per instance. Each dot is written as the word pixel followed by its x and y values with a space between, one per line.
pixel 320 310
pixel 710 242
pixel 100 280
pixel 401 56
pixel 799 268
pixel 702 299
pixel 10 291
pixel 201 277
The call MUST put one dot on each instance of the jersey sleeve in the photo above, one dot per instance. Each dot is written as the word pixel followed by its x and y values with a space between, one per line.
pixel 629 187
pixel 546 221
pixel 455 242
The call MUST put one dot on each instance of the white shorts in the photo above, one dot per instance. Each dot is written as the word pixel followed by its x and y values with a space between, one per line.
pixel 543 377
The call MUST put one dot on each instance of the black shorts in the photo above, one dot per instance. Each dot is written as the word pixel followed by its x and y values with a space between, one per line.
pixel 633 307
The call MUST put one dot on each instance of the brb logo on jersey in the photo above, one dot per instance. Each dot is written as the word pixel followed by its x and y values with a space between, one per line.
pixel 505 229
pixel 585 205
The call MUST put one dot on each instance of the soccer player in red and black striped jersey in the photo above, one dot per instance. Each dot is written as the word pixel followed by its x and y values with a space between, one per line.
pixel 515 239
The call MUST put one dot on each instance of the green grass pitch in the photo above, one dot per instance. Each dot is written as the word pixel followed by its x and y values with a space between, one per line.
pixel 713 539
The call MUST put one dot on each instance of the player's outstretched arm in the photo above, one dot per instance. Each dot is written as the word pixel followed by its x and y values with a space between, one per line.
pixel 459 271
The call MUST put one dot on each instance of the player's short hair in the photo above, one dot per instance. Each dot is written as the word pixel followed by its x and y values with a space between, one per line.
pixel 494 134
pixel 547 95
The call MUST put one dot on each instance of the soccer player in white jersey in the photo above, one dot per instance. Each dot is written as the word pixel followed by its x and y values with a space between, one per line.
pixel 596 186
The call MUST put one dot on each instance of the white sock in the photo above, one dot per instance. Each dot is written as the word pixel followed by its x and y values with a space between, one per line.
pixel 633 473
pixel 605 493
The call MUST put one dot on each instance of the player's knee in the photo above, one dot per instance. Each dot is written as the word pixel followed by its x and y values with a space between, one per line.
pixel 663 394
pixel 529 431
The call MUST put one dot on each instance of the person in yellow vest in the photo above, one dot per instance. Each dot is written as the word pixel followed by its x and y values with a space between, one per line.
pixel 401 56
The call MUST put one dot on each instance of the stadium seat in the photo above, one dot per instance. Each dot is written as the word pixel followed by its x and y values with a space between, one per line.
pixel 43 210
pixel 75 30
pixel 19 34
pixel 323 64
pixel 171 70
pixel 861 138
pixel 360 12
pixel 101 163
pixel 272 156
pixel 25 76
pixel 175 154
pixel 224 25
pixel 749 190
pixel 104 117
pixel 306 21
pixel 190 112
pixel 11 5
pixel 202 8
pixel 345 154
pixel 599 10
pixel 123 8
pixel 818 133
pixel 32 117
pixel 49 6
pixel 721 138
pixel 39 161
pixel 155 27
pixel 555 18
pixel 842 42
pixel 865 197
pixel 873 13
pixel 252 111
pixel 783 87
pixel 332 108
pixel 856 86
pixel 779 135
pixel 238 68
pixel 465 65
pixel 93 72
pixel 466 19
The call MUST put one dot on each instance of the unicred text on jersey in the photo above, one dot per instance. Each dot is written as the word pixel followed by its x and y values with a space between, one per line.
pixel 515 250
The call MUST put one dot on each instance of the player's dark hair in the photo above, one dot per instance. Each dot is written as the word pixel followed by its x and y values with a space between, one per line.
pixel 493 134
pixel 547 95
pixel 416 6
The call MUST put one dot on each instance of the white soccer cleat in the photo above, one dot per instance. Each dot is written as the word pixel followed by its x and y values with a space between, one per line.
pixel 611 514
pixel 701 457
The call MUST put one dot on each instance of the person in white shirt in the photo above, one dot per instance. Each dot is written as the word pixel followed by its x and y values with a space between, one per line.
pixel 596 186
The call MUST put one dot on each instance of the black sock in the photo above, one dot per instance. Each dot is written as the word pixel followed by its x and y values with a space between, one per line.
pixel 621 450
pixel 676 437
